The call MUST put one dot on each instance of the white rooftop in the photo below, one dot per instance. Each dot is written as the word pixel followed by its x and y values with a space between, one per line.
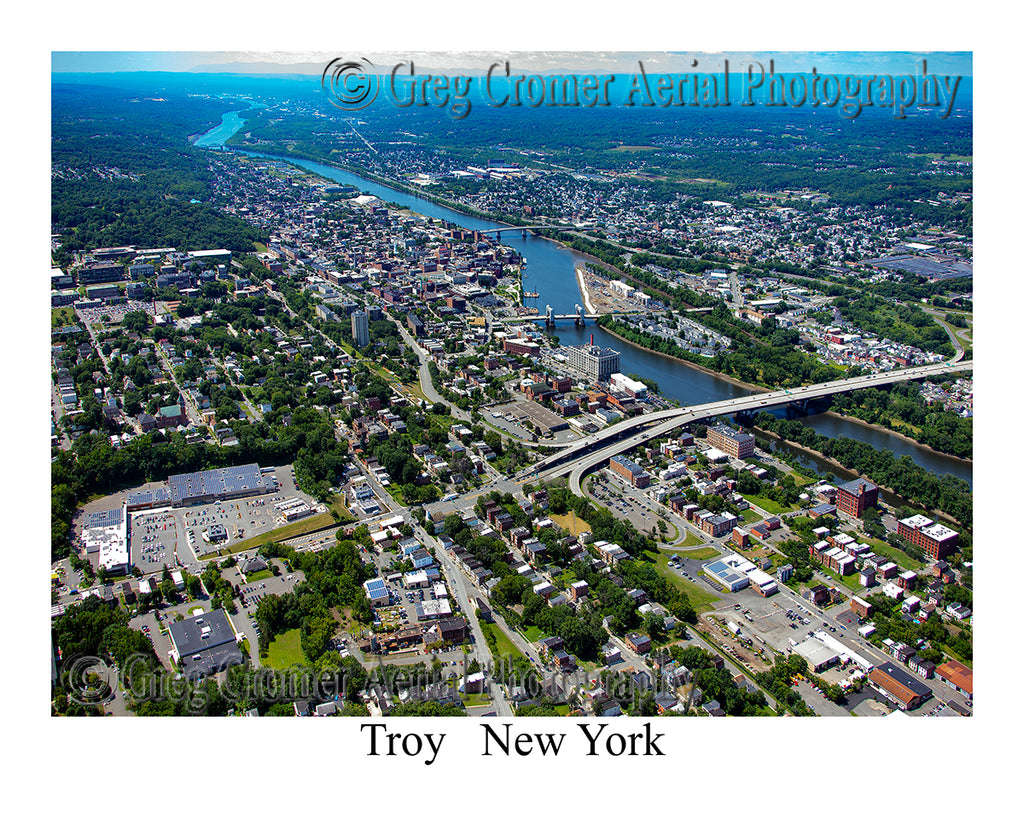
pixel 938 532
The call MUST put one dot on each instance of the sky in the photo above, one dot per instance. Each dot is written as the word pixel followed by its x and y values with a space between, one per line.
pixel 312 62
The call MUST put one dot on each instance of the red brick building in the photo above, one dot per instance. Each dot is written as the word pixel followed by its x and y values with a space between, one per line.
pixel 856 497
pixel 520 346
pixel 732 442
pixel 860 607
pixel 640 643
pixel 629 470
pixel 934 539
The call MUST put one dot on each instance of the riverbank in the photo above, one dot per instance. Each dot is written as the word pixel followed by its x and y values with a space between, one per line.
pixel 552 273
pixel 753 388
pixel 854 420
pixel 581 278
pixel 708 370
pixel 834 463
pixel 418 192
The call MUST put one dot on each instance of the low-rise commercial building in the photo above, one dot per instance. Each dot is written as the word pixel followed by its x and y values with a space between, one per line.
pixel 957 676
pixel 205 644
pixel 818 655
pixel 107 533
pixel 218 484
pixel 902 689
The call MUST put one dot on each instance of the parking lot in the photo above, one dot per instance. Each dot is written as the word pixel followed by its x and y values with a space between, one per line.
pixel 218 525
pixel 184 536
pixel 774 619
pixel 115 312
pixel 817 702
pixel 154 539
pixel 250 595
pixel 154 622
pixel 513 418
pixel 618 497
pixel 690 569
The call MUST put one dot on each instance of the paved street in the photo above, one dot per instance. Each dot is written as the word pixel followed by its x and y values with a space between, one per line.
pixel 461 587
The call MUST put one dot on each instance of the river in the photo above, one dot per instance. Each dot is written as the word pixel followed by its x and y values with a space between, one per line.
pixel 550 271
pixel 230 124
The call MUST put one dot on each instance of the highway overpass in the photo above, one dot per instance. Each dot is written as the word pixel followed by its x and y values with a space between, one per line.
pixel 588 453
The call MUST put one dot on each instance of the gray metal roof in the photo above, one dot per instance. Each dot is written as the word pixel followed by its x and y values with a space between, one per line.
pixel 230 480
pixel 205 643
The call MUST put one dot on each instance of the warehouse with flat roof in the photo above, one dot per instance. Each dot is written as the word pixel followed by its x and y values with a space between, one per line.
pixel 106 532
pixel 218 484
pixel 818 655
pixel 205 644
pixel 727 575
pixel 546 421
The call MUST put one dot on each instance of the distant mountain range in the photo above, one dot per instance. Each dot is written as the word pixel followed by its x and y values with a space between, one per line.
pixel 277 69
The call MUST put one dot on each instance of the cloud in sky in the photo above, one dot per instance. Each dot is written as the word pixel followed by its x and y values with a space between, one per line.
pixel 312 62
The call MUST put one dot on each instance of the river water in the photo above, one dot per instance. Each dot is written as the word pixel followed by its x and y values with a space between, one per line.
pixel 230 124
pixel 550 271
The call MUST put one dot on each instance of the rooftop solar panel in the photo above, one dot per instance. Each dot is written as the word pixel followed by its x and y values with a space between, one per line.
pixel 108 517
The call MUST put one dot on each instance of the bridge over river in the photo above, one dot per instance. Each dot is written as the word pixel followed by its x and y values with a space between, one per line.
pixel 590 452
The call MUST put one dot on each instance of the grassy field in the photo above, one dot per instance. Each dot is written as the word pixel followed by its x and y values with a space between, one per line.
pixel 700 598
pixel 769 506
pixel 750 516
pixel 905 428
pixel 691 540
pixel 955 656
pixel 671 533
pixel 302 527
pixel 285 651
pixel 851 581
pixel 947 157
pixel 703 553
pixel 901 559
pixel 532 633
pixel 59 316
pixel 262 574
pixel 503 645
pixel 337 504
pixel 571 523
